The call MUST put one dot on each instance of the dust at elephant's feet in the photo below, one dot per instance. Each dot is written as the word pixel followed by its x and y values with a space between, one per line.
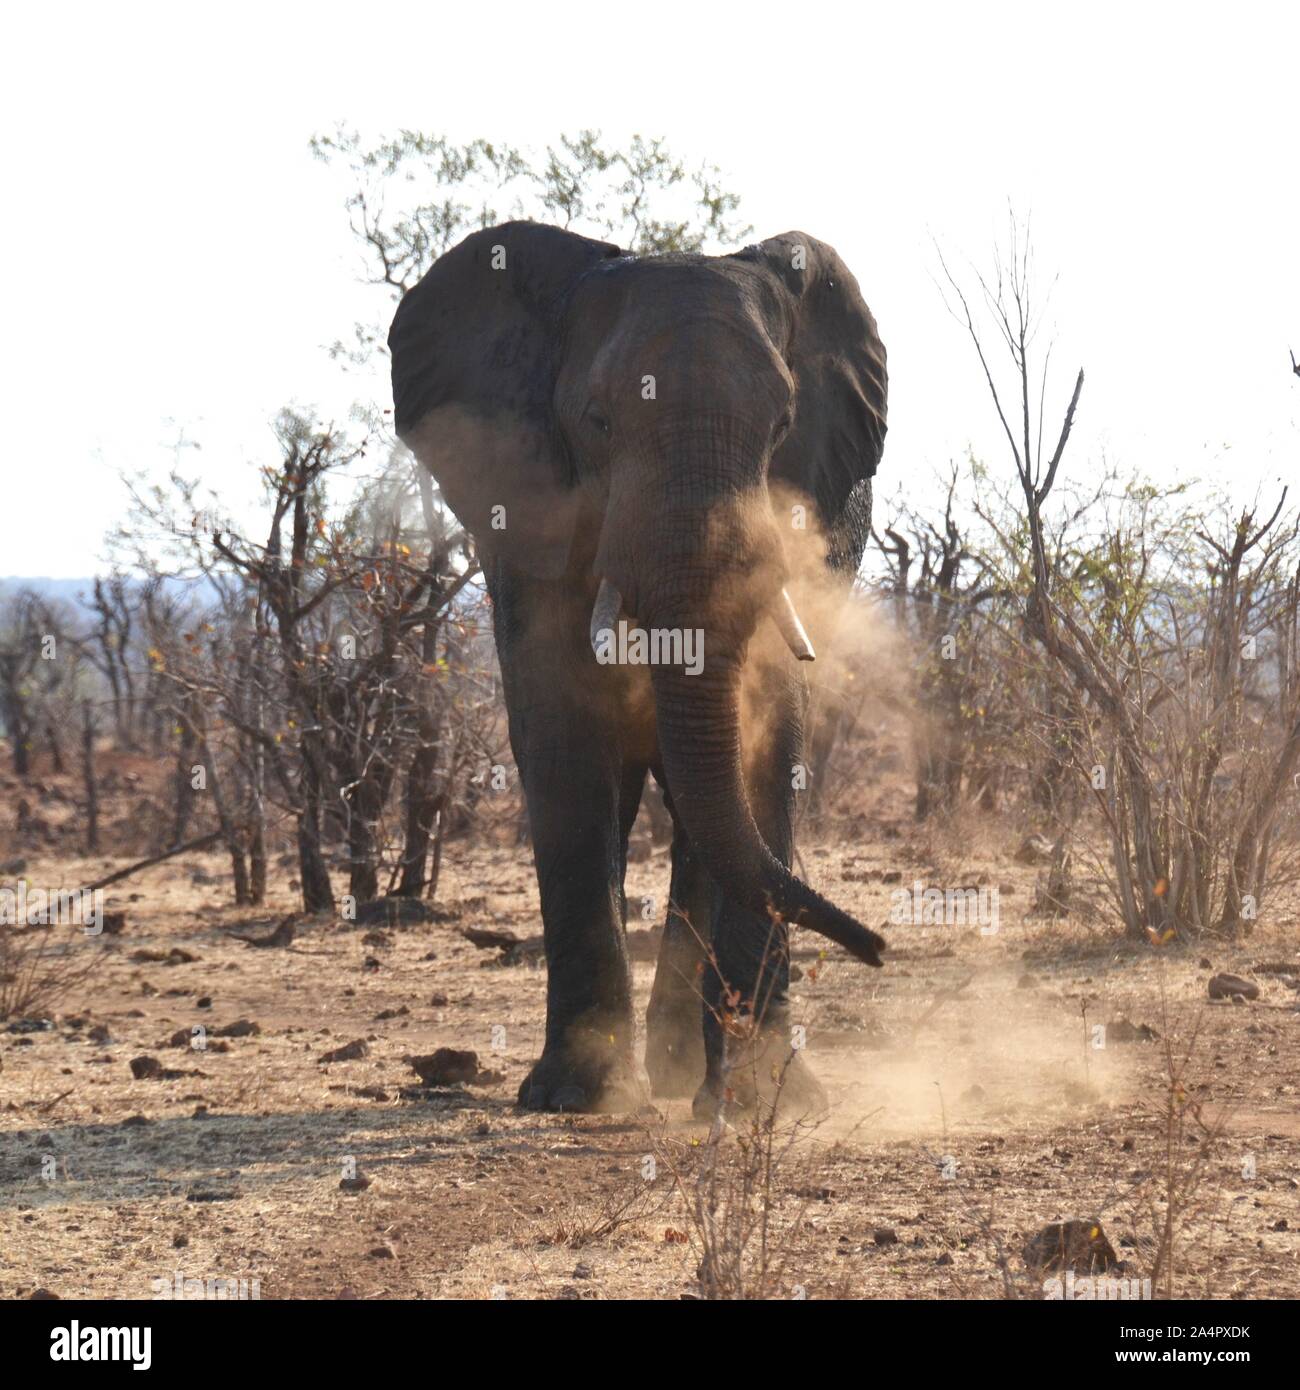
pixel 674 1055
pixel 767 1081
pixel 567 1080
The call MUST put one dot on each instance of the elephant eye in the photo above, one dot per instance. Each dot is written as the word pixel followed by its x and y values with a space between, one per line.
pixel 782 427
pixel 597 420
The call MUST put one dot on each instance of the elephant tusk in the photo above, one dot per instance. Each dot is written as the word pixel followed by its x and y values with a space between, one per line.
pixel 794 632
pixel 604 613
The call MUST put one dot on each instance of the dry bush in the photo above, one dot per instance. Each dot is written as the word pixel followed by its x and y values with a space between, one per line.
pixel 37 969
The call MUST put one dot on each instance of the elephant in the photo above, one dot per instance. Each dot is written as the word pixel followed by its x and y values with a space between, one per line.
pixel 624 436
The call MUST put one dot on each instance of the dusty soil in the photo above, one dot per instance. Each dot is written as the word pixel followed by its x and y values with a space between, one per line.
pixel 970 1104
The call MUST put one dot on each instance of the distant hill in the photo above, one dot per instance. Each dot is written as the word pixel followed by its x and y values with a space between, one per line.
pixel 74 591
pixel 77 592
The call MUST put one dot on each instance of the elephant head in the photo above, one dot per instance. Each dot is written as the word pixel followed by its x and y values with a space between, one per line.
pixel 583 409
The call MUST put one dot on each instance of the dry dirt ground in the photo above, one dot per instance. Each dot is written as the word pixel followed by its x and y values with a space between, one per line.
pixel 970 1105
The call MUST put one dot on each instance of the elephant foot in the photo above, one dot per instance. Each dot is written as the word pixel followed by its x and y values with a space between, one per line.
pixel 762 1077
pixel 674 1052
pixel 589 1077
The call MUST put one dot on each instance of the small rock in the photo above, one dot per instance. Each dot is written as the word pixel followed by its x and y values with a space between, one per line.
pixel 145 1068
pixel 1078 1245
pixel 349 1052
pixel 1224 986
pixel 1121 1030
pixel 445 1067
pixel 883 1236
pixel 357 1184
pixel 241 1028
pixel 31 1025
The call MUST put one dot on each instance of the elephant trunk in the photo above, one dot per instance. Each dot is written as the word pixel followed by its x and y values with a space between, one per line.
pixel 699 737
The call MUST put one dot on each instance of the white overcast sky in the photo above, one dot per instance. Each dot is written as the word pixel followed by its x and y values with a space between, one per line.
pixel 174 259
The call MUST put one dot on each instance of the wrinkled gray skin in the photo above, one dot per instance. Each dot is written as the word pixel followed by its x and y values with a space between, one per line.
pixel 520 371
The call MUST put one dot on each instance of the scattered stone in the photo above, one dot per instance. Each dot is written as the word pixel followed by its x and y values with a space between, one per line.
pixel 1078 1245
pixel 282 936
pixel 99 1034
pixel 1120 1030
pixel 43 1296
pixel 146 1068
pixel 529 952
pixel 489 938
pixel 175 956
pixel 349 1052
pixel 241 1028
pixel 883 1236
pixel 380 1252
pixel 439 1001
pixel 206 1194
pixel 357 1184
pixel 384 1014
pixel 1225 986
pixel 31 1025
pixel 113 923
pixel 445 1067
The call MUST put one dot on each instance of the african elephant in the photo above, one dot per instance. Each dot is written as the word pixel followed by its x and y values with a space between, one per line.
pixel 613 430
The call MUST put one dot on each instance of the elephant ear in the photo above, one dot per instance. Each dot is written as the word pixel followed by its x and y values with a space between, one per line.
pixel 838 363
pixel 474 348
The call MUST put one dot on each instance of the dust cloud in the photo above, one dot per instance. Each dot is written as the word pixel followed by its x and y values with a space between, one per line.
pixel 984 1062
